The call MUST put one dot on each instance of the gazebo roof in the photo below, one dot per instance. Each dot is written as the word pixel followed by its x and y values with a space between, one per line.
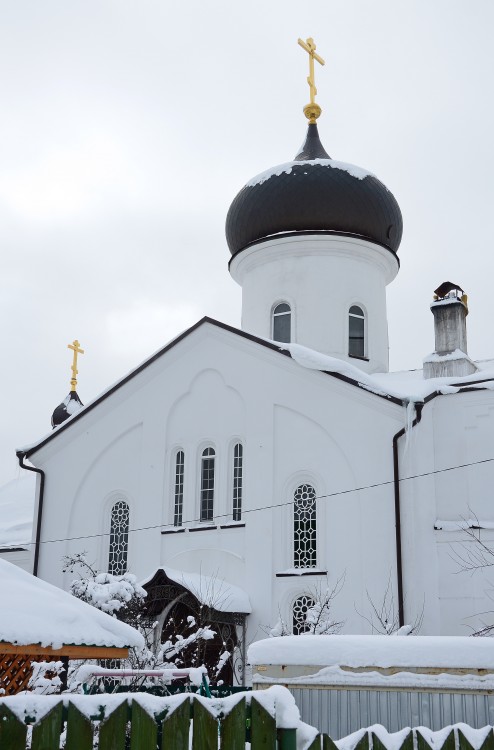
pixel 38 618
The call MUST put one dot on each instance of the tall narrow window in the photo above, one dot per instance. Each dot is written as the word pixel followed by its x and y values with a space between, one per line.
pixel 119 538
pixel 282 323
pixel 356 332
pixel 207 484
pixel 300 608
pixel 179 488
pixel 238 456
pixel 304 527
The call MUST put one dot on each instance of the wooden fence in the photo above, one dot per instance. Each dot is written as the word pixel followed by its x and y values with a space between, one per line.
pixel 187 721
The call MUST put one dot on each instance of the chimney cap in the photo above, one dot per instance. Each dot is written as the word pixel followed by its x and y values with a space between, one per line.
pixel 446 287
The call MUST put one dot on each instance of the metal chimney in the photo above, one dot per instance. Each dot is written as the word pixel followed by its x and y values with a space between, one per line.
pixel 450 358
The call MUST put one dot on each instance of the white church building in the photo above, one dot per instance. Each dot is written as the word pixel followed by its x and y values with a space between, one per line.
pixel 258 467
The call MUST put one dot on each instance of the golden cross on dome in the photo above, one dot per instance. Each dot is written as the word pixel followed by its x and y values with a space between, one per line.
pixel 77 350
pixel 312 110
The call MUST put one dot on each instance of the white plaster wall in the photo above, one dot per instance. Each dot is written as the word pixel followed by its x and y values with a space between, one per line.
pixel 320 277
pixel 215 388
pixel 455 430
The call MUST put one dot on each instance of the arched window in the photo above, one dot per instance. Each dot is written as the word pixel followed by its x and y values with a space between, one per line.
pixel 238 457
pixel 282 323
pixel 178 503
pixel 356 332
pixel 300 608
pixel 304 527
pixel 119 538
pixel 207 484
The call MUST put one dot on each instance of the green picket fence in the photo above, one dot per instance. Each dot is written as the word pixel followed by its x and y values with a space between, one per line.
pixel 130 726
pixel 183 722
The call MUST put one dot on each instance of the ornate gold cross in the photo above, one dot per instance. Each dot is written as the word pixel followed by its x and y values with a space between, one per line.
pixel 77 350
pixel 312 110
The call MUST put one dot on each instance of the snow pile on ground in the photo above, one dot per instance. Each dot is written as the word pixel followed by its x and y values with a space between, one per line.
pixel 380 651
pixel 34 611
pixel 210 590
pixel 16 511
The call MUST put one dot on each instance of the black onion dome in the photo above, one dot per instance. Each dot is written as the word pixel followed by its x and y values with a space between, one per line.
pixel 69 406
pixel 311 194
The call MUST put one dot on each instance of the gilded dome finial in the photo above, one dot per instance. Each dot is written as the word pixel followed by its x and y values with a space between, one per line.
pixel 312 110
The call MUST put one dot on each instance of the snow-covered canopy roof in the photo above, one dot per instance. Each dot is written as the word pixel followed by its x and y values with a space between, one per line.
pixel 382 651
pixel 16 511
pixel 212 591
pixel 33 611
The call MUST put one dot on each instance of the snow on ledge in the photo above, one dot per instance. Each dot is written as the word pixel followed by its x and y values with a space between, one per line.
pixel 381 651
pixel 435 357
pixel 337 677
pixel 287 167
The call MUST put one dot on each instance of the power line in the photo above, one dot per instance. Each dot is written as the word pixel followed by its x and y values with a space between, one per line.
pixel 275 505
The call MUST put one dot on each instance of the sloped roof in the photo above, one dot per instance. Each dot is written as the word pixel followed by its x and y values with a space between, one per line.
pixel 397 388
pixel 340 370
pixel 33 611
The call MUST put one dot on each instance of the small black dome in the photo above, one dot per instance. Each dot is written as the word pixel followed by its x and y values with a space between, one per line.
pixel 314 194
pixel 69 406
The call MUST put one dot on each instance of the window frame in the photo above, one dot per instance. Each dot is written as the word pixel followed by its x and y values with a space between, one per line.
pixel 237 481
pixel 113 564
pixel 363 318
pixel 178 496
pixel 297 533
pixel 275 315
pixel 207 517
pixel 307 604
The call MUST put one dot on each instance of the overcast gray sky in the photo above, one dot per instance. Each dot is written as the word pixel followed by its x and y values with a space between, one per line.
pixel 127 128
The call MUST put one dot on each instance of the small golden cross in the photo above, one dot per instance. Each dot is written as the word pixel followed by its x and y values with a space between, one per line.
pixel 77 350
pixel 312 110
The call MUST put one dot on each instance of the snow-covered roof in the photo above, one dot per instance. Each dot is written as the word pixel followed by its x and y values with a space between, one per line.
pixel 16 511
pixel 212 591
pixel 400 387
pixel 33 611
pixel 381 651
pixel 406 386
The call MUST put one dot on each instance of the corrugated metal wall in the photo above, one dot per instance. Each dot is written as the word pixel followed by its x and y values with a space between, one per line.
pixel 341 712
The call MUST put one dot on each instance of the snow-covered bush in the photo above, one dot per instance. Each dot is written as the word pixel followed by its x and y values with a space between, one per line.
pixel 45 679
pixel 184 638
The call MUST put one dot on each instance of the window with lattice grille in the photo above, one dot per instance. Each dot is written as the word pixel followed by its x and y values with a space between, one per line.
pixel 119 538
pixel 178 504
pixel 207 484
pixel 304 527
pixel 300 608
pixel 238 457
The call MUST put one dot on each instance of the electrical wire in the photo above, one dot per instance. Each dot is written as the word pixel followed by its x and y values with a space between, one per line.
pixel 327 496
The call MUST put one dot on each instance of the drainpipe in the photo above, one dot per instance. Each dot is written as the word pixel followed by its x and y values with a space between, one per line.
pixel 396 483
pixel 21 456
